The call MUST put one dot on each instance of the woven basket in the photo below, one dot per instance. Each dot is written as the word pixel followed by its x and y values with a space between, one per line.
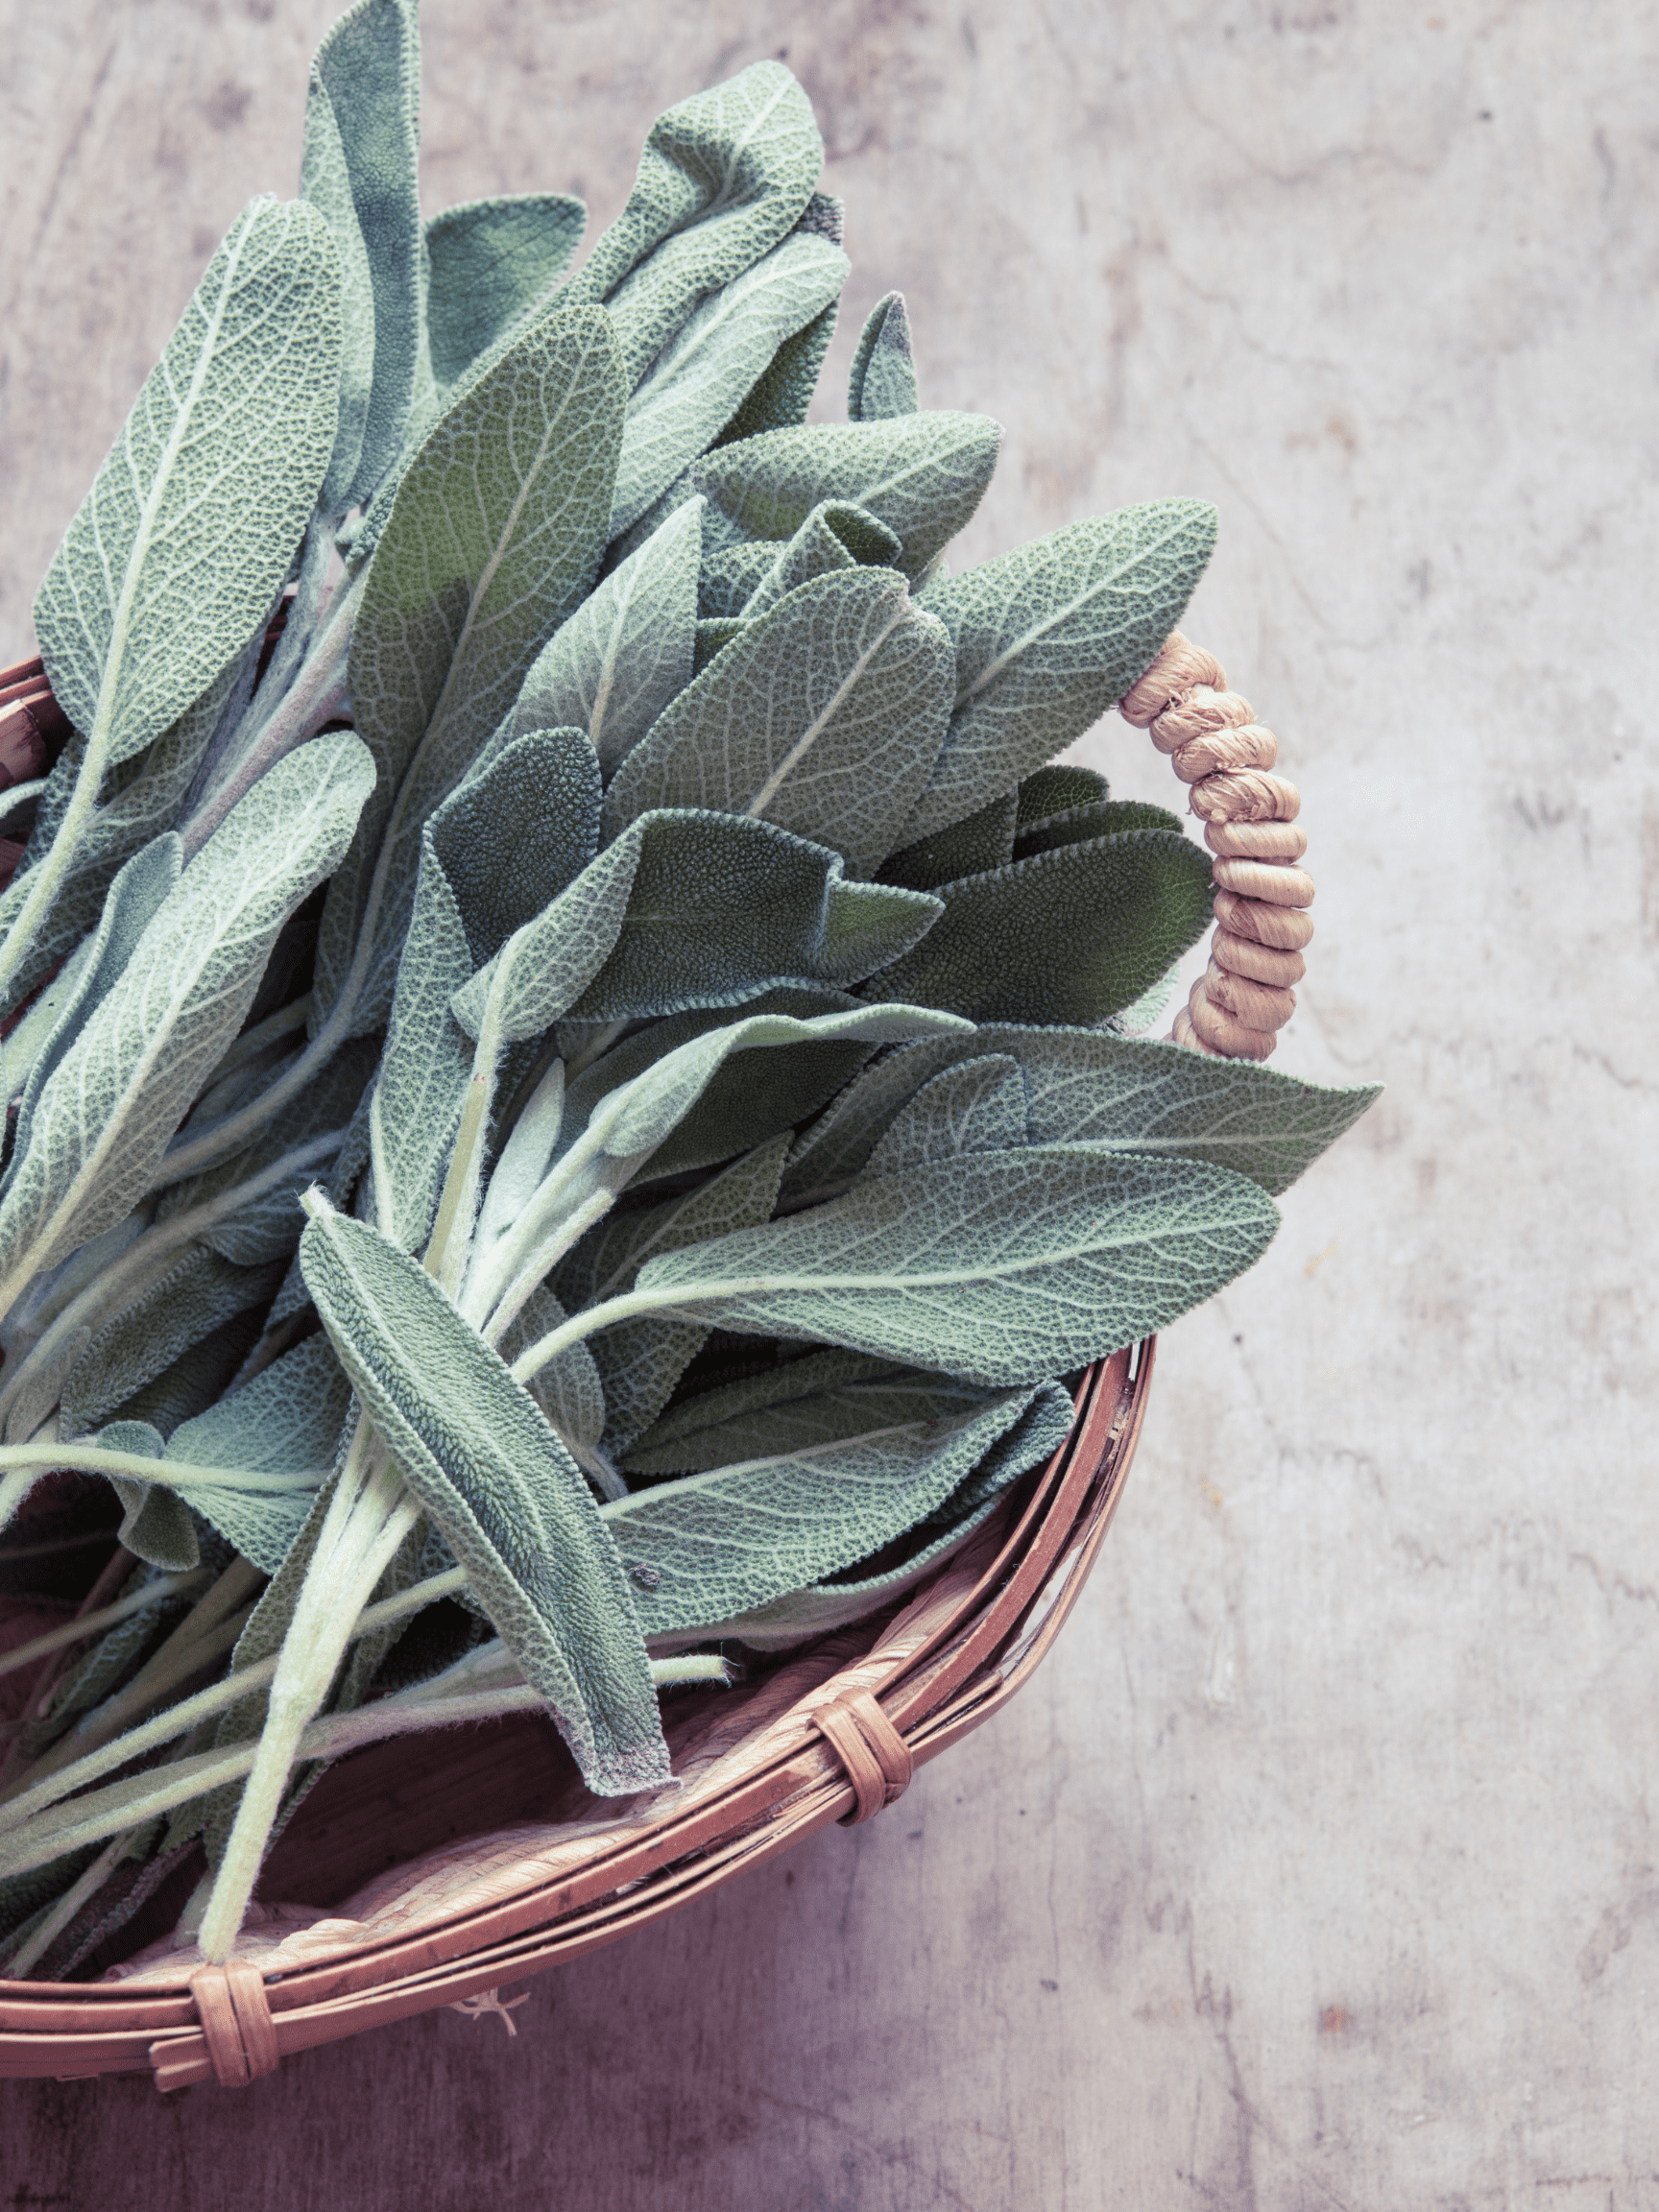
pixel 408 1914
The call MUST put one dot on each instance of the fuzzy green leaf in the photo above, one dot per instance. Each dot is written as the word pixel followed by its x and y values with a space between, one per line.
pixel 369 66
pixel 923 476
pixel 824 717
pixel 1069 936
pixel 156 1525
pixel 722 179
pixel 1154 1100
pixel 491 262
pixel 699 378
pixel 614 666
pixel 1099 818
pixel 104 1115
pixel 884 379
pixel 506 1494
pixel 193 1299
pixel 1056 790
pixel 721 1543
pixel 1049 636
pixel 286 1421
pixel 834 536
pixel 494 538
pixel 971 847
pixel 326 183
pixel 1000 1267
pixel 977 1106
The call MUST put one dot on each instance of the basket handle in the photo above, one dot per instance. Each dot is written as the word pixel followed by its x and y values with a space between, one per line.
pixel 1261 925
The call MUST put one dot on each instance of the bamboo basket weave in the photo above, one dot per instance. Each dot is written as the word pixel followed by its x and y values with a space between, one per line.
pixel 412 1915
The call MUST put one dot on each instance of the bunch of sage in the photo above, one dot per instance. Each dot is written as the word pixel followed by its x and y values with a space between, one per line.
pixel 576 1073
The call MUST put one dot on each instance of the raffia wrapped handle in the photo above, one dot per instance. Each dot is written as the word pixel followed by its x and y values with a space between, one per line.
pixel 1216 746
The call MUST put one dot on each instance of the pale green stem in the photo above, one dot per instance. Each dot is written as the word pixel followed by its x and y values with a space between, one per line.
pixel 18 795
pixel 143 1796
pixel 143 1258
pixel 543 1259
pixel 68 1905
pixel 88 1624
pixel 179 1719
pixel 537 1355
pixel 369 1517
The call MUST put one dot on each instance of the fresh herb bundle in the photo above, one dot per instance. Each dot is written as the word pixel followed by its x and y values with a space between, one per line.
pixel 575 1074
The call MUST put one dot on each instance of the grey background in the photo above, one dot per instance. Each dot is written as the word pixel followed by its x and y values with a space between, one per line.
pixel 1318 1867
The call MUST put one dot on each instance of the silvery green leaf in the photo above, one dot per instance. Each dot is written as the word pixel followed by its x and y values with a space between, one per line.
pixel 325 181
pixel 200 1375
pixel 835 536
pixel 517 835
pixel 692 909
pixel 700 377
pixel 977 1106
pixel 1056 790
pixel 132 901
pixel 1066 936
pixel 369 65
pixel 268 1227
pixel 1000 1267
pixel 923 476
pixel 824 717
pixel 104 1117
pixel 426 1067
pixel 822 1399
pixel 722 908
pixel 494 538
pixel 724 1542
pixel 1148 1099
pixel 884 379
pixel 187 532
pixel 156 1525
pixel 191 1301
pixel 714 638
pixel 143 800
pixel 287 1420
pixel 1100 818
pixel 1049 636
pixel 746 1100
pixel 722 179
pixel 783 394
pixel 492 261
pixel 971 847
pixel 729 579
pixel 507 1495
pixel 614 666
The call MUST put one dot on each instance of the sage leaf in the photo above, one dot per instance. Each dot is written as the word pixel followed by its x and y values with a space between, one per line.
pixel 712 638
pixel 729 578
pixel 1000 1267
pixel 505 1493
pixel 516 836
pixel 1069 935
pixel 697 381
pixel 923 476
pixel 717 1544
pixel 825 716
pixel 1100 818
pixel 193 1299
pixel 883 380
pixel 421 1086
pixel 185 538
pixel 1151 1099
pixel 286 1421
pixel 134 899
pixel 494 538
pixel 1049 636
pixel 492 261
pixel 722 179
pixel 1056 790
pixel 836 534
pixel 156 1525
pixel 369 68
pixel 971 847
pixel 325 181
pixel 104 1117
pixel 569 1389
pixel 977 1106
pixel 782 394
pixel 616 664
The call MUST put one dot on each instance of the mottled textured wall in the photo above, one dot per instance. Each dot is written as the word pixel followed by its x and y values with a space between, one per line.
pixel 1318 1868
